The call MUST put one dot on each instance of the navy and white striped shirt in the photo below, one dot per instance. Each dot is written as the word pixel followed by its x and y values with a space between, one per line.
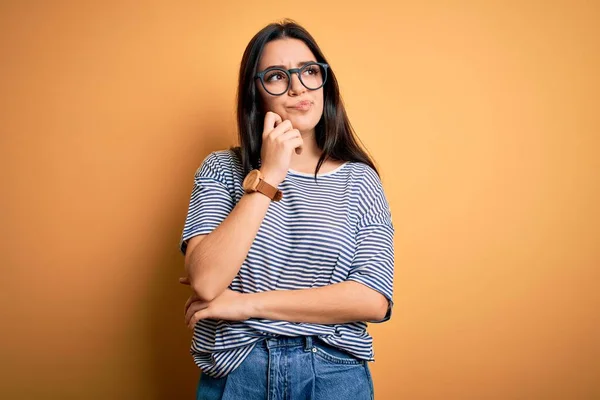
pixel 337 229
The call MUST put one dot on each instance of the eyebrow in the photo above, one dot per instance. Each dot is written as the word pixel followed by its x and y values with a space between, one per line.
pixel 301 63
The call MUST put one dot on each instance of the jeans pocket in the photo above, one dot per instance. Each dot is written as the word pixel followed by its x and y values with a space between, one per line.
pixel 334 355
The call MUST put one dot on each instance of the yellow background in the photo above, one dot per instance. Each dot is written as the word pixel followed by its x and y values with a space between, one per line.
pixel 482 116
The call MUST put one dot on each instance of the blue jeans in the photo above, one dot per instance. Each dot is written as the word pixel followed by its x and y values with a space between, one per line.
pixel 292 368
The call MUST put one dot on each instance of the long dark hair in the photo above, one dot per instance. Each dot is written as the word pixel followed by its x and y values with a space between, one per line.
pixel 333 133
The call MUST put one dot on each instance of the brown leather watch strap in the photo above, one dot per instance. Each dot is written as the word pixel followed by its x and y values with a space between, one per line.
pixel 268 190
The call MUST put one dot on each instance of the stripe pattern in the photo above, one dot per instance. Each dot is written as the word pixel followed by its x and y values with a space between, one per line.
pixel 336 229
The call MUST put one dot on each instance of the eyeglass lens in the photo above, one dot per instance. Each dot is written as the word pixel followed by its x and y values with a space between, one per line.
pixel 277 80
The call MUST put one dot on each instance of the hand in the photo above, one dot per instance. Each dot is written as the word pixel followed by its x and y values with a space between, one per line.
pixel 279 138
pixel 229 306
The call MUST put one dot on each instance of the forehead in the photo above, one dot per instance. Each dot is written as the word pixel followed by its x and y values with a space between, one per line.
pixel 288 52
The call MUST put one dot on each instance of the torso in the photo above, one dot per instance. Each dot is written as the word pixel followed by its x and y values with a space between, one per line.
pixel 307 240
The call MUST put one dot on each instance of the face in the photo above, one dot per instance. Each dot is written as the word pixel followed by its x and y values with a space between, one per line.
pixel 302 106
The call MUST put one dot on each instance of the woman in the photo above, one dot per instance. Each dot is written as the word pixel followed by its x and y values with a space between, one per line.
pixel 288 240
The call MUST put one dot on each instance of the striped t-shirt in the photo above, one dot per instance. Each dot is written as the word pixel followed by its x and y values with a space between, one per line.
pixel 333 230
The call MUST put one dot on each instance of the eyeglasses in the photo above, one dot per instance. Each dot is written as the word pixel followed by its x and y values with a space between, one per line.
pixel 276 81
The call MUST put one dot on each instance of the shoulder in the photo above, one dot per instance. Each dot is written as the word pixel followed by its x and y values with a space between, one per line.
pixel 219 163
pixel 370 176
pixel 367 180
pixel 373 205
pixel 221 159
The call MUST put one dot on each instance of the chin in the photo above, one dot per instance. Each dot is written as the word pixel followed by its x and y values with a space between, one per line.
pixel 303 127
pixel 304 123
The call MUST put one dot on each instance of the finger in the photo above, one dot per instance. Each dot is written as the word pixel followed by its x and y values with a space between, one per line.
pixel 200 315
pixel 188 304
pixel 193 309
pixel 271 120
pixel 185 281
pixel 291 134
pixel 284 127
pixel 294 134
pixel 192 299
pixel 296 143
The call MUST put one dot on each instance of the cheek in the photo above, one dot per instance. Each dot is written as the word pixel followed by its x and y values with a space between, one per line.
pixel 318 108
pixel 266 101
pixel 320 103
pixel 270 103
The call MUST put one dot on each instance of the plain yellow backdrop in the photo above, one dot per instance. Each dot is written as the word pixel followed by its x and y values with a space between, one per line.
pixel 482 116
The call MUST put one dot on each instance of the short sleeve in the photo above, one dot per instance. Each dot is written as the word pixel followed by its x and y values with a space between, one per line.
pixel 211 200
pixel 373 262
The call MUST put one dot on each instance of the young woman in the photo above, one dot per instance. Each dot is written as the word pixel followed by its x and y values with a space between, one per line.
pixel 288 239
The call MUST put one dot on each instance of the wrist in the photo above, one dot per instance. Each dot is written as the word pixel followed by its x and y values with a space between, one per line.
pixel 268 177
pixel 254 304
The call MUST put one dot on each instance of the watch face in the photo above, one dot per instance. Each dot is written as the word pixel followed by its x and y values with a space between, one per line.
pixel 251 180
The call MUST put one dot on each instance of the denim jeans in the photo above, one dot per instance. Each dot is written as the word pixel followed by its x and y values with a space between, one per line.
pixel 292 368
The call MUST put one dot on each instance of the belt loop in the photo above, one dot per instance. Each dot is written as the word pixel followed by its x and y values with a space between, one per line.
pixel 308 343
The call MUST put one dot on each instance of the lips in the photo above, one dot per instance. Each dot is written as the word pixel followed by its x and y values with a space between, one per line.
pixel 302 105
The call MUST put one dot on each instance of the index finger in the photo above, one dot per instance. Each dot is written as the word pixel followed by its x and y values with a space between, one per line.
pixel 271 119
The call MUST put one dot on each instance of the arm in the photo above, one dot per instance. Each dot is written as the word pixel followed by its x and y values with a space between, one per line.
pixel 366 295
pixel 332 304
pixel 337 303
pixel 211 260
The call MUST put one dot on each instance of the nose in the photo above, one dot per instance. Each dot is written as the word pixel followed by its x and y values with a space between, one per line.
pixel 296 87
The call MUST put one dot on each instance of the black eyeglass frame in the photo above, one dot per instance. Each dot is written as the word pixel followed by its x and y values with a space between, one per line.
pixel 289 72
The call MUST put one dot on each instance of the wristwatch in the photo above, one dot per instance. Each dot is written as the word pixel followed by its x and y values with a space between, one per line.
pixel 254 183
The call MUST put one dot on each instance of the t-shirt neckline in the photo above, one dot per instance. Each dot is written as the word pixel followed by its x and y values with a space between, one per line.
pixel 333 171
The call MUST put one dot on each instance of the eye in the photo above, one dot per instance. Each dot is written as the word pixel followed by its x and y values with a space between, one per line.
pixel 312 70
pixel 275 75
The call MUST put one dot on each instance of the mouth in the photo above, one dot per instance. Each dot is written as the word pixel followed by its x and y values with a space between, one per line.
pixel 304 105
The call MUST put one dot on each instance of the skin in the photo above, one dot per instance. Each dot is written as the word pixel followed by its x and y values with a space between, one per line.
pixel 211 262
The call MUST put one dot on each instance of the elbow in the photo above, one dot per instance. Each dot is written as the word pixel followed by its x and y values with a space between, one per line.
pixel 380 308
pixel 206 285
pixel 375 304
pixel 201 289
pixel 379 315
pixel 203 292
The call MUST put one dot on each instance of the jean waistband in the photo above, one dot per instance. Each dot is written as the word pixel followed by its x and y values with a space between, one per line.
pixel 287 341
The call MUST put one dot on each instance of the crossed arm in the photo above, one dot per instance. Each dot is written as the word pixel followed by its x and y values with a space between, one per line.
pixel 337 303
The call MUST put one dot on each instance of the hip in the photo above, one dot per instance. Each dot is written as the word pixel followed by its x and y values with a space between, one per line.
pixel 292 368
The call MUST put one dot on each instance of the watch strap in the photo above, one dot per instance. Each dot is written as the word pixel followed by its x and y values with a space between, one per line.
pixel 268 190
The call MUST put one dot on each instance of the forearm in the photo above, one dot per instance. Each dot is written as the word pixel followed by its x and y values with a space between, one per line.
pixel 215 261
pixel 337 303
